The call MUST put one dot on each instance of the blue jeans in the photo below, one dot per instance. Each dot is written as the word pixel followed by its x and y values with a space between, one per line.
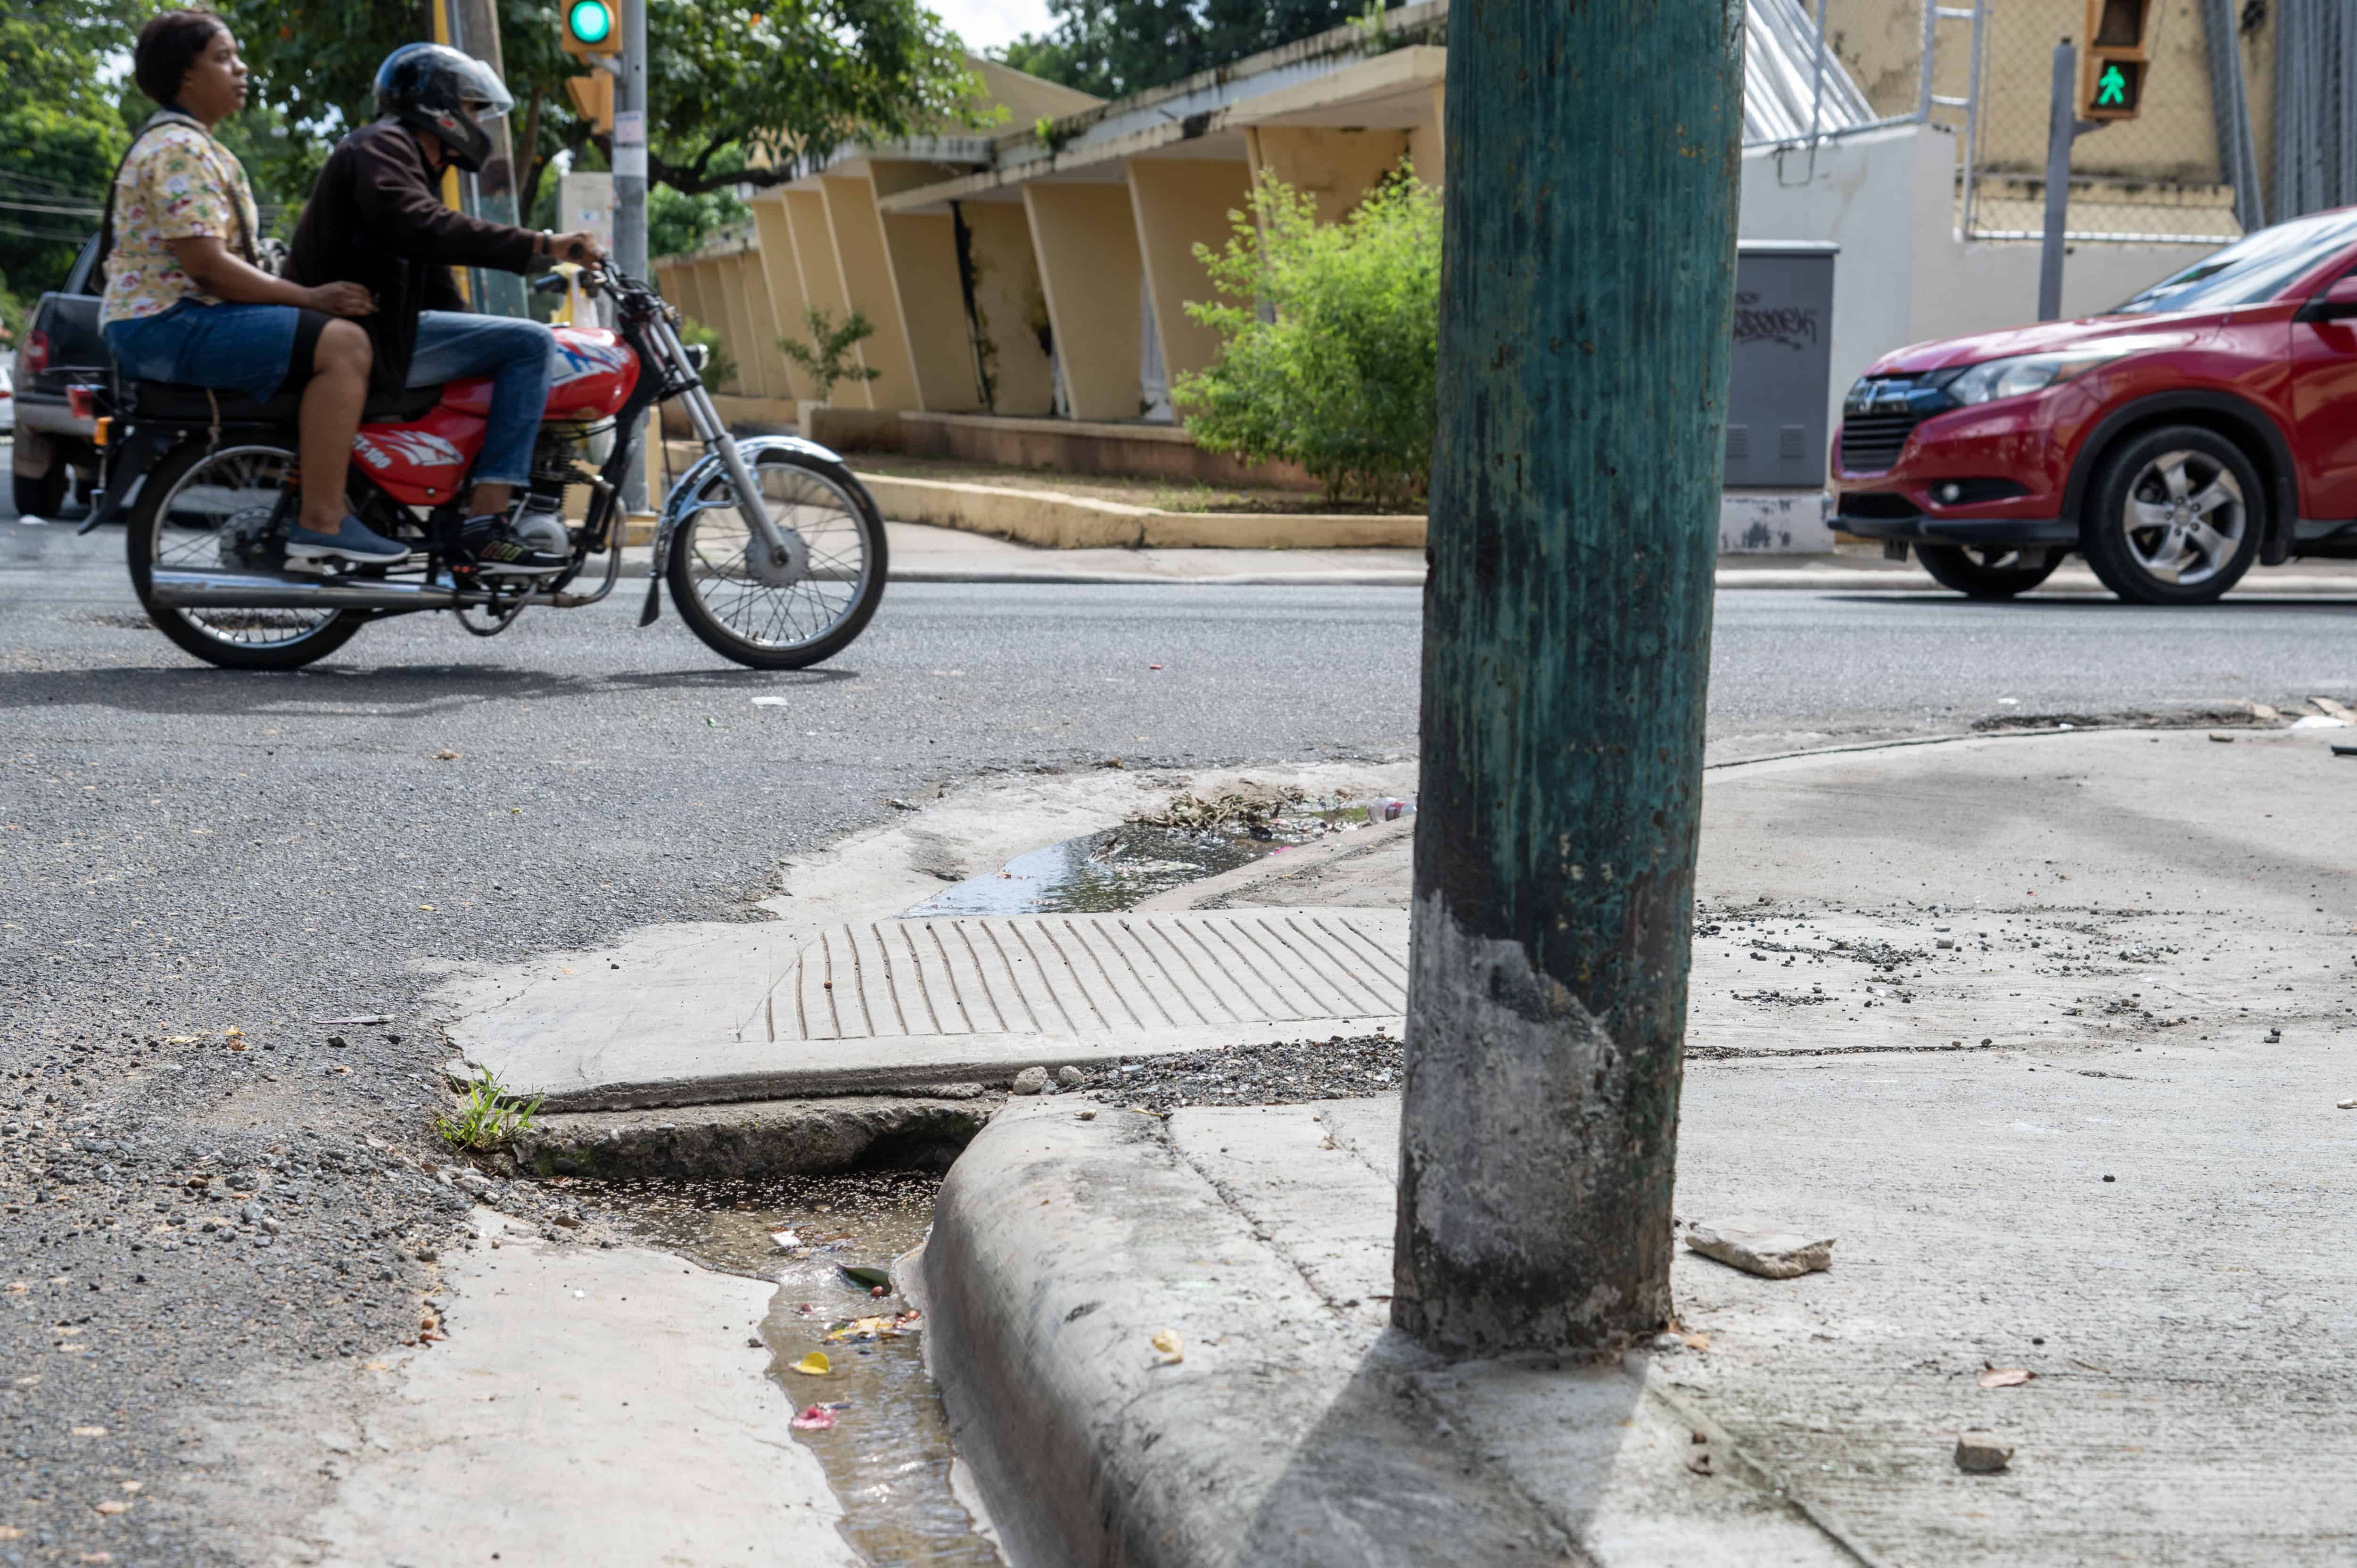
pixel 519 355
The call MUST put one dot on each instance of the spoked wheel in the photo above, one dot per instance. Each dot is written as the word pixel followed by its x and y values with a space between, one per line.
pixel 781 615
pixel 2175 518
pixel 1987 574
pixel 191 512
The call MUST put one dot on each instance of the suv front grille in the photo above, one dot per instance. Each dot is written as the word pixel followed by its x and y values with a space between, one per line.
pixel 1870 443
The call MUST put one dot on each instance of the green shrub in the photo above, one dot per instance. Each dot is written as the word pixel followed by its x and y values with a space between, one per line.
pixel 719 369
pixel 830 356
pixel 1331 341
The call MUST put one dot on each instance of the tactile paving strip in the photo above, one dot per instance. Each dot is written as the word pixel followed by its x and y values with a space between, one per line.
pixel 1076 976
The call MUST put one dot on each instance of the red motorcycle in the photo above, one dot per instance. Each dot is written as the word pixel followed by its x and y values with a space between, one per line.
pixel 773 551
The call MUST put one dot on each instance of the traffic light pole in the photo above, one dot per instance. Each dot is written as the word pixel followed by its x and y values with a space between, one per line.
pixel 1588 262
pixel 630 193
pixel 477 33
pixel 2063 127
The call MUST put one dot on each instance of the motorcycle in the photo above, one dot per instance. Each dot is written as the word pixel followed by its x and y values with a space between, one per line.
pixel 773 551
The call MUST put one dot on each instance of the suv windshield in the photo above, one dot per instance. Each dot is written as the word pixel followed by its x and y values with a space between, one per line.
pixel 2251 269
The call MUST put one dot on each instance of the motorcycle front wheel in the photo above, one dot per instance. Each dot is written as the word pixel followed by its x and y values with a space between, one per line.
pixel 781 615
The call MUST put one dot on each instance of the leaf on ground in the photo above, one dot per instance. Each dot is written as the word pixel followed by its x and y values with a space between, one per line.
pixel 814 1364
pixel 2005 1376
pixel 866 1279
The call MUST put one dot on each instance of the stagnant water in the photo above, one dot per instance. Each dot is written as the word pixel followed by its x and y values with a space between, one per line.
pixel 888 1455
pixel 1118 869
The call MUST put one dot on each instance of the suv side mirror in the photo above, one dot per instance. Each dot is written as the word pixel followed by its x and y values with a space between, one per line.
pixel 2338 301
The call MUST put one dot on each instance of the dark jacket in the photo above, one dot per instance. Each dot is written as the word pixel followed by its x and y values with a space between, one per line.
pixel 376 218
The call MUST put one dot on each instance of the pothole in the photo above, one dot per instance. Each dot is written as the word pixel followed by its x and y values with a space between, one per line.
pixel 887 1455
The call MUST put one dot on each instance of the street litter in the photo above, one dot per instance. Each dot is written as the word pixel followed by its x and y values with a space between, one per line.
pixel 358 1018
pixel 866 1279
pixel 786 1239
pixel 1980 1454
pixel 817 1418
pixel 1770 1254
pixel 879 1327
pixel 446 754
pixel 2341 750
pixel 2348 1105
pixel 1168 1348
pixel 2005 1377
pixel 2318 721
pixel 814 1364
pixel 771 702
pixel 2222 739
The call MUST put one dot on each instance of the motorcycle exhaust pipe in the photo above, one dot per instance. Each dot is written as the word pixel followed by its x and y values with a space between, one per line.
pixel 267 591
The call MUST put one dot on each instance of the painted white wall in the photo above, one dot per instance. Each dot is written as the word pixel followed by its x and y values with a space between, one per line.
pixel 1887 198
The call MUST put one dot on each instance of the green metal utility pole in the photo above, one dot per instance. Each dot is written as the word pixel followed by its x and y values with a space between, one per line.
pixel 1593 151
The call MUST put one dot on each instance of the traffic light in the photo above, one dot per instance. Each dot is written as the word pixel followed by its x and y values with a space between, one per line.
pixel 592 100
pixel 592 28
pixel 2111 75
pixel 592 35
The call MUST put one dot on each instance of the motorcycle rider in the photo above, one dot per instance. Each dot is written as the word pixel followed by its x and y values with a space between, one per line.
pixel 376 218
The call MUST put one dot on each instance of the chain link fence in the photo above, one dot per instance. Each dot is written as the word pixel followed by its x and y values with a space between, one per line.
pixel 1987 76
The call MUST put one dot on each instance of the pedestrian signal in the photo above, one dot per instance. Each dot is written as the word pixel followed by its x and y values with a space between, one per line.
pixel 2111 79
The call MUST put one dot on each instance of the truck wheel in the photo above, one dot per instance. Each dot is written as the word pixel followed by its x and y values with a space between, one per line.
pixel 40 495
pixel 2174 517
pixel 1987 574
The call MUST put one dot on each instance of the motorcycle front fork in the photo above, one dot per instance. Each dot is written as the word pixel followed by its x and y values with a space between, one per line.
pixel 714 435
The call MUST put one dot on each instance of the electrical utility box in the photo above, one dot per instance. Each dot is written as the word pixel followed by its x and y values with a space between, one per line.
pixel 1777 394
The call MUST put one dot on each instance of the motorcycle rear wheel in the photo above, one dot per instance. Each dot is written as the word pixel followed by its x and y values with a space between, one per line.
pixel 187 499
pixel 827 598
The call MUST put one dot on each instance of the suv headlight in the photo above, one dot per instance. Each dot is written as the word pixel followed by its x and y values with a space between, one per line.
pixel 2027 373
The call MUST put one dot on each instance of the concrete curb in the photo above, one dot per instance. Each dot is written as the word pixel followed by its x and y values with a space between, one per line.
pixel 1078 522
pixel 1058 1249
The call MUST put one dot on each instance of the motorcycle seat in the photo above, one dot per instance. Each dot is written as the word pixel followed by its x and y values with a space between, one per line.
pixel 175 402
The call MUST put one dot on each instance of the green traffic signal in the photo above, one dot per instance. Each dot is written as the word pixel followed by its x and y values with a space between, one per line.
pixel 589 21
pixel 2112 88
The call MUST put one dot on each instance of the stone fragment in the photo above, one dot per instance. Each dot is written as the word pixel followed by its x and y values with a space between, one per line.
pixel 1770 1254
pixel 1031 1081
pixel 1980 1454
pixel 1068 1075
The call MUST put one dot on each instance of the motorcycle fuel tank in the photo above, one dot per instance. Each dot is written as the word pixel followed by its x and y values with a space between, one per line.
pixel 423 463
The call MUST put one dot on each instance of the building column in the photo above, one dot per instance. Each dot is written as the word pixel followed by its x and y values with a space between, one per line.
pixel 1086 239
pixel 782 276
pixel 821 274
pixel 1010 307
pixel 921 249
pixel 1335 167
pixel 1180 204
pixel 867 279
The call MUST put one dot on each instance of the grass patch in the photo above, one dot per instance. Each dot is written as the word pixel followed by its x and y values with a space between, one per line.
pixel 488 1118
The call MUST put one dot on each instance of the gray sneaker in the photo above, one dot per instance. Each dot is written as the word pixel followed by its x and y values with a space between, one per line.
pixel 352 540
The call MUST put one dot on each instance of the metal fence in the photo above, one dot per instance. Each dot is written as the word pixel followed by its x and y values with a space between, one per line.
pixel 2184 171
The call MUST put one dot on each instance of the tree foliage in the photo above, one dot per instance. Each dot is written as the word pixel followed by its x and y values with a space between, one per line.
pixel 1113 47
pixel 739 91
pixel 1331 339
pixel 61 131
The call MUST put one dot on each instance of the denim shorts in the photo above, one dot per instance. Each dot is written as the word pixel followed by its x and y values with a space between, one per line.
pixel 233 347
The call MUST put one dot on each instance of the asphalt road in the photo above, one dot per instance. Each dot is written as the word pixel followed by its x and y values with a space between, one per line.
pixel 184 852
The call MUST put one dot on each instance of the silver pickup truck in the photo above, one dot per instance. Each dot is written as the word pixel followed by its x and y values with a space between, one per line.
pixel 53 456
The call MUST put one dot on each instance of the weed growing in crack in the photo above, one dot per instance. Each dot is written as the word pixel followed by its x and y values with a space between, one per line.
pixel 488 1118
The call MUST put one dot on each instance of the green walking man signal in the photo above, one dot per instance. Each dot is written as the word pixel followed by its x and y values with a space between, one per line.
pixel 2111 75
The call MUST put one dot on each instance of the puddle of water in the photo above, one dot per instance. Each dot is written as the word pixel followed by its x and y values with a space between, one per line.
pixel 1103 873
pixel 888 1455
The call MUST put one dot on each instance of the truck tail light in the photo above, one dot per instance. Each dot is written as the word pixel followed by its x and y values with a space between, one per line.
pixel 82 401
pixel 37 353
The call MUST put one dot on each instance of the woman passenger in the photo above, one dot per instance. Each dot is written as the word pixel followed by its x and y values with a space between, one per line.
pixel 188 301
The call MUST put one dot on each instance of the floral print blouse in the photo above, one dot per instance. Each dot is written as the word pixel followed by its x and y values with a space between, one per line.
pixel 179 184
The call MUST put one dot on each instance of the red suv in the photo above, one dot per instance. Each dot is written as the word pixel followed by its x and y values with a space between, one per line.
pixel 2208 423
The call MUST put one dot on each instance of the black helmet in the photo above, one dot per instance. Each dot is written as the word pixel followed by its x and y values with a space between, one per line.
pixel 434 88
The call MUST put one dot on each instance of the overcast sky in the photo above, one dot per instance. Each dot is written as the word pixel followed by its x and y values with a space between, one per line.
pixel 985 24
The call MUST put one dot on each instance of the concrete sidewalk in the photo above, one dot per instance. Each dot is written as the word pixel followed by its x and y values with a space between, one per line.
pixel 2046 1029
